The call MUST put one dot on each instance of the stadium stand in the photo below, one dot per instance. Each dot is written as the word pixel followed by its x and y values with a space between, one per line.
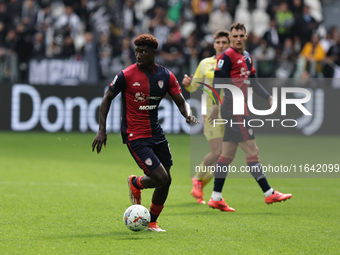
pixel 45 30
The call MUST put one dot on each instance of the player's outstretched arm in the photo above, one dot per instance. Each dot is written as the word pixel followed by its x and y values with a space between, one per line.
pixel 101 136
pixel 184 108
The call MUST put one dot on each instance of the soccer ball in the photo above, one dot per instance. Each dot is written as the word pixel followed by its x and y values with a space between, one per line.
pixel 136 217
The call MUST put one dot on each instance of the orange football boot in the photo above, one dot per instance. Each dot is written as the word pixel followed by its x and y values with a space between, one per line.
pixel 277 197
pixel 134 193
pixel 221 205
pixel 197 190
pixel 154 227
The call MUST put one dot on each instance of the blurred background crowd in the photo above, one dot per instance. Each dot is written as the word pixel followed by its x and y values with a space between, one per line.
pixel 287 38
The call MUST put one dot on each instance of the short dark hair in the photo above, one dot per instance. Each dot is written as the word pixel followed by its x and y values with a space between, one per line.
pixel 238 26
pixel 221 33
pixel 146 40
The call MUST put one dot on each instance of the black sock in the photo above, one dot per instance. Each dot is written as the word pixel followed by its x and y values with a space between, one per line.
pixel 221 171
pixel 137 182
pixel 258 174
pixel 264 184
pixel 134 182
pixel 153 217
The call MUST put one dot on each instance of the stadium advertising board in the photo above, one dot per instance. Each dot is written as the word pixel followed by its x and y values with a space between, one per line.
pixel 62 72
pixel 295 110
pixel 75 108
pixel 63 108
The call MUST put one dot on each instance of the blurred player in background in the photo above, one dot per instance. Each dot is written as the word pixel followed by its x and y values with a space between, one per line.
pixel 205 73
pixel 143 85
pixel 236 65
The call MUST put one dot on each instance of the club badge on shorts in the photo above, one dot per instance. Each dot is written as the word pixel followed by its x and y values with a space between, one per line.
pixel 148 161
pixel 250 131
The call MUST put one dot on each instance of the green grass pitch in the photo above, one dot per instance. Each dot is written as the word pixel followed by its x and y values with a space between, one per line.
pixel 57 197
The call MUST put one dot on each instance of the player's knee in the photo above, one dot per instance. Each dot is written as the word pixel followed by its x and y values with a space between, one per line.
pixel 168 183
pixel 228 156
pixel 255 151
pixel 161 179
pixel 216 153
pixel 231 157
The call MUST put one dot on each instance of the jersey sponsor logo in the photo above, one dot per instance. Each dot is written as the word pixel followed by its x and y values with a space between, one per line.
pixel 239 61
pixel 147 107
pixel 244 73
pixel 148 161
pixel 161 83
pixel 153 98
pixel 140 97
pixel 136 84
pixel 220 63
pixel 114 81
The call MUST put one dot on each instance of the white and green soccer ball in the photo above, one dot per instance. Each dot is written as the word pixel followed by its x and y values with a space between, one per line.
pixel 136 217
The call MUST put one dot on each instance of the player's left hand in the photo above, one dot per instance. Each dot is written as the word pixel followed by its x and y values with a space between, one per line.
pixel 192 119
pixel 187 80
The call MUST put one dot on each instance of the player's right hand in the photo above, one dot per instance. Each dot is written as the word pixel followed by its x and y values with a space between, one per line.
pixel 187 80
pixel 192 119
pixel 98 141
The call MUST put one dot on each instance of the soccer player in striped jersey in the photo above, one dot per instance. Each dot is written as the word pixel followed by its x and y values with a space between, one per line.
pixel 236 65
pixel 205 74
pixel 143 85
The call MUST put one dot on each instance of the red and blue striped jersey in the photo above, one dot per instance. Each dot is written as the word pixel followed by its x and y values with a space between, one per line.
pixel 237 67
pixel 141 96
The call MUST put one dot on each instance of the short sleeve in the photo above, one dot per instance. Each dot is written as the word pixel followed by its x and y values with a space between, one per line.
pixel 174 87
pixel 118 84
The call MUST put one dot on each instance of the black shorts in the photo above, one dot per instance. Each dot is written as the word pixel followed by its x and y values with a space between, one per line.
pixel 150 152
pixel 238 130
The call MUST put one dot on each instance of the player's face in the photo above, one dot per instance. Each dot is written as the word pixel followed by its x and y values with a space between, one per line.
pixel 238 39
pixel 220 45
pixel 145 56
